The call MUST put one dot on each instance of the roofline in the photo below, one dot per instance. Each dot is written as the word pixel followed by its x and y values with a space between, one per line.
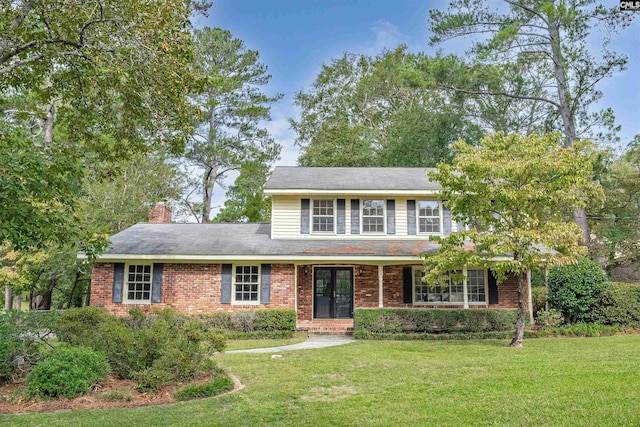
pixel 286 258
pixel 305 191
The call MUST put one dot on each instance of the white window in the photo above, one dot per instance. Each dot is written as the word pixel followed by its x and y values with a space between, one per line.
pixel 373 216
pixel 450 292
pixel 323 216
pixel 138 289
pixel 476 289
pixel 429 216
pixel 246 284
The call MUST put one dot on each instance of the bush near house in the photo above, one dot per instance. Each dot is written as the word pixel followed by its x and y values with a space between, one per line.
pixel 573 289
pixel 445 323
pixel 272 323
pixel 618 304
pixel 152 350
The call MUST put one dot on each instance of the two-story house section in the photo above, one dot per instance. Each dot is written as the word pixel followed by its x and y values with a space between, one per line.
pixel 340 238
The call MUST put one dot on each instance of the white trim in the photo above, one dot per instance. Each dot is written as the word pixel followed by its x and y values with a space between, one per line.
pixel 386 193
pixel 529 297
pixel 125 284
pixel 233 283
pixel 441 209
pixel 465 303
pixel 465 287
pixel 335 217
pixel 389 259
pixel 295 291
pixel 384 218
pixel 380 287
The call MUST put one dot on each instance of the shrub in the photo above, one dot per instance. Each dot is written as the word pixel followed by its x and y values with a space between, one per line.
pixel 573 289
pixel 117 395
pixel 68 372
pixel 199 391
pixel 539 298
pixel 244 321
pixel 432 321
pixel 151 379
pixel 273 323
pixel 619 304
pixel 549 317
pixel 279 319
pixel 24 337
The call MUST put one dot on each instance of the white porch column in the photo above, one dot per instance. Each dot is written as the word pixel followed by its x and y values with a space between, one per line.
pixel 380 282
pixel 529 297
pixel 465 297
pixel 295 291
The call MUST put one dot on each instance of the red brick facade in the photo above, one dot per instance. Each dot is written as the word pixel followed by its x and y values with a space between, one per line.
pixel 196 288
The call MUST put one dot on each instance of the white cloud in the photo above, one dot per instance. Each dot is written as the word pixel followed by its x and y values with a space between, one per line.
pixel 387 36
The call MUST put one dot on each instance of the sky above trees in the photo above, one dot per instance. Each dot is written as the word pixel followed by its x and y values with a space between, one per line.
pixel 295 37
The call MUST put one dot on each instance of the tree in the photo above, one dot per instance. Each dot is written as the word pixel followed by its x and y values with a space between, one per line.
pixel 616 227
pixel 246 201
pixel 515 194
pixel 79 81
pixel 228 133
pixel 377 111
pixel 546 41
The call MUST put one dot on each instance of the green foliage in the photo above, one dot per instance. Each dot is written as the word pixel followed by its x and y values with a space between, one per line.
pixel 573 289
pixel 228 133
pixel 431 321
pixel 199 391
pixel 117 395
pixel 245 199
pixel 24 337
pixel 68 372
pixel 378 111
pixel 515 194
pixel 153 350
pixel 538 298
pixel 576 330
pixel 551 317
pixel 618 304
pixel 273 323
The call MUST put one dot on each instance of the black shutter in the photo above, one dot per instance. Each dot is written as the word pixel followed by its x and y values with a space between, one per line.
pixel 341 216
pixel 156 282
pixel 411 217
pixel 493 288
pixel 225 288
pixel 118 282
pixel 446 220
pixel 304 216
pixel 407 285
pixel 391 217
pixel 265 283
pixel 355 216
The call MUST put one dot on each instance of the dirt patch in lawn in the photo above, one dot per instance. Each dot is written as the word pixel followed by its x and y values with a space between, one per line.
pixel 111 393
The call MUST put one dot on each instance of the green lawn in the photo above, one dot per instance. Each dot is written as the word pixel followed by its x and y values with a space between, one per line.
pixel 261 343
pixel 587 381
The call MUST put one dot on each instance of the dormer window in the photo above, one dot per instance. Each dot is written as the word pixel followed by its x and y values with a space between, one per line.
pixel 373 216
pixel 429 215
pixel 323 216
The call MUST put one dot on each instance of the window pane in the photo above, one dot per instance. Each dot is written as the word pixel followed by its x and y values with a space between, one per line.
pixel 322 217
pixel 139 283
pixel 247 283
pixel 429 216
pixel 373 216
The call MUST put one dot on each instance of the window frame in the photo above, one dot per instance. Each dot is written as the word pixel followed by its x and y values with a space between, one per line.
pixel 234 301
pixel 125 285
pixel 335 216
pixel 441 218
pixel 384 218
pixel 465 289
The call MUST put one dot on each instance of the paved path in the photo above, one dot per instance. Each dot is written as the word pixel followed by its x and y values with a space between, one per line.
pixel 314 341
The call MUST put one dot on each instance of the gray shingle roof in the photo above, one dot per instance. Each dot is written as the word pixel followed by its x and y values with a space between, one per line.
pixel 301 178
pixel 247 239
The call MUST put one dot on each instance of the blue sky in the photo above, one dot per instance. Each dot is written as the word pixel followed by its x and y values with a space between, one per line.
pixel 295 37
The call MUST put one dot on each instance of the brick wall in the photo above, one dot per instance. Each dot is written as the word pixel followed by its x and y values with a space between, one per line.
pixel 192 288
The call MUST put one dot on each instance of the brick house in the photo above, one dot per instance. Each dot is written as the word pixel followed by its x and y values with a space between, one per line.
pixel 340 238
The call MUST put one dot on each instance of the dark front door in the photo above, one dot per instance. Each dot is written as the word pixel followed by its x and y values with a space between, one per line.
pixel 333 293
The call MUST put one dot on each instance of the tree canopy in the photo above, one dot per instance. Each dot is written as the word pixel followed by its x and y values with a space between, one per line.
pixel 515 194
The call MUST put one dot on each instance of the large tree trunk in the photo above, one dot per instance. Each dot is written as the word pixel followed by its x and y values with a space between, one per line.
pixel 567 114
pixel 522 314
pixel 17 302
pixel 208 182
pixel 8 297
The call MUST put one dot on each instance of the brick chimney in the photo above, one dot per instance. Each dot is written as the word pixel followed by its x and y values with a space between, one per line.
pixel 160 213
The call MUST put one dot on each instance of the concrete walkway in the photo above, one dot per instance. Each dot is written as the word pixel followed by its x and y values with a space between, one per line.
pixel 314 341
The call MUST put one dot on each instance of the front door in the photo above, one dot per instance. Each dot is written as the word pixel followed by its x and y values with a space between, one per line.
pixel 333 293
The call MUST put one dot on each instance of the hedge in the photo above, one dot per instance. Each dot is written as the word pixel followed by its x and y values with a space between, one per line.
pixel 369 322
pixel 272 323
pixel 619 304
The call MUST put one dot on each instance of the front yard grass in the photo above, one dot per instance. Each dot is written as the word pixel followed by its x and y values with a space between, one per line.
pixel 586 381
pixel 261 343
